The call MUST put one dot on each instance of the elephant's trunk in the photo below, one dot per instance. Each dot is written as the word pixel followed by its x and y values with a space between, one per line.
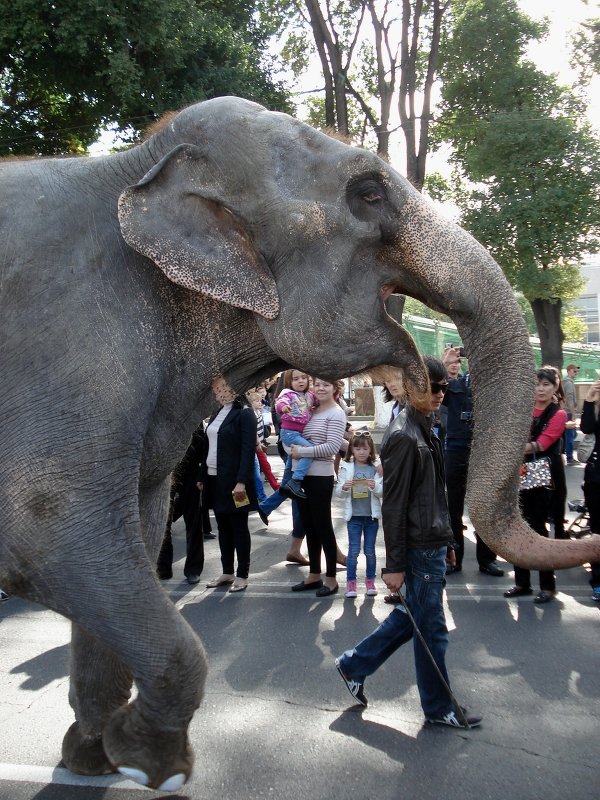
pixel 470 287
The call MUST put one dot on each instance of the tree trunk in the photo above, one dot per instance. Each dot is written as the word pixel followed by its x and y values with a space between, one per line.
pixel 409 83
pixel 547 319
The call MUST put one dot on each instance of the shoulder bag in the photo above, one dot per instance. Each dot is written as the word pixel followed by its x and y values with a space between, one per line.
pixel 535 474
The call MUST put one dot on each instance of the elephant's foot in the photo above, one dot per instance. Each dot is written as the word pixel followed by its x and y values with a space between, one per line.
pixel 84 754
pixel 158 758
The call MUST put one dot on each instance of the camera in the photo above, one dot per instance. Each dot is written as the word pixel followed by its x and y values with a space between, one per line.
pixel 466 416
pixel 450 345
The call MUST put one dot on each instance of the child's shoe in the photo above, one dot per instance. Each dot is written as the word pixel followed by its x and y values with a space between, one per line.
pixel 371 588
pixel 294 488
pixel 351 589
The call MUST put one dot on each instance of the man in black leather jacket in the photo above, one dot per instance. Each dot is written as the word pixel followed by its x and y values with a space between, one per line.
pixel 417 534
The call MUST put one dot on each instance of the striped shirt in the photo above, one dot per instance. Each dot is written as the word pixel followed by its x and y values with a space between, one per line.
pixel 326 431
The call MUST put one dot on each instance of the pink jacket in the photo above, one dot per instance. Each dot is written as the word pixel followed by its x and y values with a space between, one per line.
pixel 302 405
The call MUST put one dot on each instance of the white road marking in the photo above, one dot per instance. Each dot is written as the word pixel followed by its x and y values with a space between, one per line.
pixel 469 591
pixel 28 773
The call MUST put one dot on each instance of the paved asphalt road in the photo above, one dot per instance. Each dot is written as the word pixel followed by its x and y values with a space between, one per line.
pixel 277 722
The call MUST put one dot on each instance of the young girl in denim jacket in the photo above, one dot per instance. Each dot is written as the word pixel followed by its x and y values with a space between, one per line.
pixel 362 486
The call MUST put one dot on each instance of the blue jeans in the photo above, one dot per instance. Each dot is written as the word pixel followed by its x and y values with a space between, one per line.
pixel 260 489
pixel 424 587
pixel 357 528
pixel 274 501
pixel 271 502
pixel 569 439
pixel 289 438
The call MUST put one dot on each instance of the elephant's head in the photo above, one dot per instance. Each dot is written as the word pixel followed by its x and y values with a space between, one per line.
pixel 260 211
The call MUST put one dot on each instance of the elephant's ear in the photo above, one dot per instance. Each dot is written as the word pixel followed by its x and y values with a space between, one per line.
pixel 181 224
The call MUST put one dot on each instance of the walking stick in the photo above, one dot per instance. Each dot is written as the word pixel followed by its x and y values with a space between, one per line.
pixel 459 711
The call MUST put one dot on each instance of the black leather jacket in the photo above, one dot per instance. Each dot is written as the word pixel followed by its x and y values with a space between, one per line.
pixel 414 507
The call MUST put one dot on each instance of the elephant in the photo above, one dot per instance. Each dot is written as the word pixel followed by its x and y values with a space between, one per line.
pixel 232 243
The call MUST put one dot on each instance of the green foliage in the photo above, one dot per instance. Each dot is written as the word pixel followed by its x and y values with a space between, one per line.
pixel 586 50
pixel 437 187
pixel 68 68
pixel 417 309
pixel 574 327
pixel 516 134
pixel 527 314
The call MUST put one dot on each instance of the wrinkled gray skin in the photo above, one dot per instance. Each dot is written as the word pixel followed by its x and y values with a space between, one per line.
pixel 244 241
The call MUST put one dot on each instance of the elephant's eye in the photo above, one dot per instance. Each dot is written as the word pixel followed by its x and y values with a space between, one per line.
pixel 366 196
pixel 372 197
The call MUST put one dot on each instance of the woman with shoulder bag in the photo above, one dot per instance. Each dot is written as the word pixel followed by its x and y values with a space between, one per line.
pixel 590 424
pixel 547 428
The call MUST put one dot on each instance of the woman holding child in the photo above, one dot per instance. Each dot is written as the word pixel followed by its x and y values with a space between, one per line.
pixel 325 430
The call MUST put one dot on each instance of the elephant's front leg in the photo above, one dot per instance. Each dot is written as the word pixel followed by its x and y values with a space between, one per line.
pixel 147 740
pixel 127 628
pixel 100 684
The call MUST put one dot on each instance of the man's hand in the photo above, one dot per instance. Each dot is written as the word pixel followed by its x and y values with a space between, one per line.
pixel 451 356
pixel 394 580
pixel 593 393
pixel 451 557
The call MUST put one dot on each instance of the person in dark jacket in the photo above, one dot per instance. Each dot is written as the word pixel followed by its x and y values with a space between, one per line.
pixel 590 423
pixel 186 501
pixel 417 534
pixel 458 403
pixel 227 478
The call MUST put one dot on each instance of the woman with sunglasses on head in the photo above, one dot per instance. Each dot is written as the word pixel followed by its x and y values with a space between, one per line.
pixel 326 432
pixel 547 428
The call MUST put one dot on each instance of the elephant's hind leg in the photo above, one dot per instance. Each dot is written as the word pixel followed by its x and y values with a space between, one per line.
pixel 100 684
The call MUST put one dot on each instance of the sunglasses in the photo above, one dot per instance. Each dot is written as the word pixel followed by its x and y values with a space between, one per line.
pixel 438 387
pixel 361 435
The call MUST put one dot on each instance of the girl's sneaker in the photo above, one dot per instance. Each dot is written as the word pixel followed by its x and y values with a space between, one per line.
pixel 371 588
pixel 351 589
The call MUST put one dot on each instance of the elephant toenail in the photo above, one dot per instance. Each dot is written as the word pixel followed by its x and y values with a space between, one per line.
pixel 173 783
pixel 135 775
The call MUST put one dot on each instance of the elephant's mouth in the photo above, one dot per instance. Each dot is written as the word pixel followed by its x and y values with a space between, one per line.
pixel 389 289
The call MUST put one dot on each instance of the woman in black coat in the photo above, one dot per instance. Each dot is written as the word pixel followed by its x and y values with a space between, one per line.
pixel 590 423
pixel 227 478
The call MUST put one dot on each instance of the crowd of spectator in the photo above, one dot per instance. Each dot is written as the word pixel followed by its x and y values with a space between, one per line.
pixel 310 420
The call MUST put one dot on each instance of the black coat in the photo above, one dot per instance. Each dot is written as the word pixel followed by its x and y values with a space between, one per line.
pixel 236 448
pixel 591 424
